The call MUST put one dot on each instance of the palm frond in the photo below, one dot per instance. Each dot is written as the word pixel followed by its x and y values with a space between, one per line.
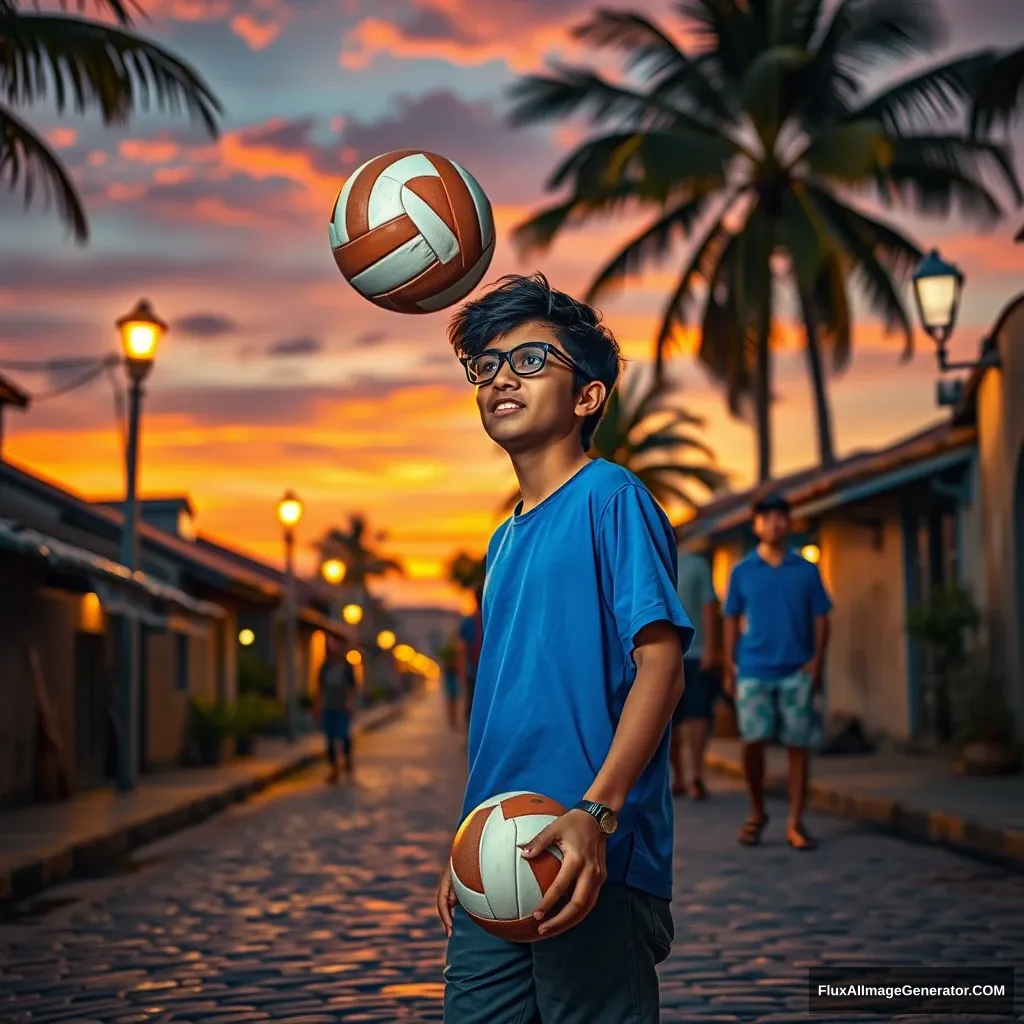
pixel 650 50
pixel 883 260
pixel 27 163
pixel 652 245
pixel 703 261
pixel 849 153
pixel 537 99
pixel 1000 93
pixel 928 97
pixel 881 31
pixel 95 66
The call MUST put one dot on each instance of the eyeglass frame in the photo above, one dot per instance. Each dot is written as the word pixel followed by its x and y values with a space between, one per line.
pixel 505 356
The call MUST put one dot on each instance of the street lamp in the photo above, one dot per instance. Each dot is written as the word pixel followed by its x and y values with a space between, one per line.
pixel 333 570
pixel 141 331
pixel 352 614
pixel 289 512
pixel 937 289
pixel 386 639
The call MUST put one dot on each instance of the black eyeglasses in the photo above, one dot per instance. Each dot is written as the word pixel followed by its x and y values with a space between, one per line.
pixel 525 360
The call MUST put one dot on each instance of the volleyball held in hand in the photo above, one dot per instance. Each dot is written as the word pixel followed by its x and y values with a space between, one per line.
pixel 495 884
pixel 412 232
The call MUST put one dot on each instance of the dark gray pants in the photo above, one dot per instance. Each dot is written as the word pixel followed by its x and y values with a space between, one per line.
pixel 600 972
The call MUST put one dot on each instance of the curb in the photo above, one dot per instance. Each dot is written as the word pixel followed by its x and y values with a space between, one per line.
pixel 92 856
pixel 985 842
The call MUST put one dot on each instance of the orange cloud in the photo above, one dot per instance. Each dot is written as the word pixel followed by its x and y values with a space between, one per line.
pixel 62 138
pixel 256 35
pixel 150 151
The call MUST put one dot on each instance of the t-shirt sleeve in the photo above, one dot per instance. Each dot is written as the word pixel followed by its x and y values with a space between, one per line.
pixel 735 602
pixel 638 566
pixel 821 603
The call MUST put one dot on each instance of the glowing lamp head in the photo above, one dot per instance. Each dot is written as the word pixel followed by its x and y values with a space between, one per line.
pixel 246 637
pixel 354 658
pixel 141 331
pixel 937 287
pixel 386 639
pixel 289 510
pixel 404 654
pixel 333 570
pixel 352 614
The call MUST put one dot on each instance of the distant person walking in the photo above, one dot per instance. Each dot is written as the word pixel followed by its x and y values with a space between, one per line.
pixel 691 721
pixel 471 638
pixel 336 698
pixel 774 669
pixel 450 668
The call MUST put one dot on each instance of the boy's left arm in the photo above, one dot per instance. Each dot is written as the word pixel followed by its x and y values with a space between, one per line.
pixel 651 620
pixel 821 606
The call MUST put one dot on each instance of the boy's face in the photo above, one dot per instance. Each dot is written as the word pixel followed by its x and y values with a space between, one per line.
pixel 772 526
pixel 526 413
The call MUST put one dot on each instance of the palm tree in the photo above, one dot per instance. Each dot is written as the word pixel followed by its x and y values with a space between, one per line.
pixel 646 431
pixel 90 66
pixel 356 548
pixel 999 97
pixel 466 571
pixel 750 140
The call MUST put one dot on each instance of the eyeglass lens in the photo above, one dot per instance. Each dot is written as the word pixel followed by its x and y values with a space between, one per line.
pixel 525 359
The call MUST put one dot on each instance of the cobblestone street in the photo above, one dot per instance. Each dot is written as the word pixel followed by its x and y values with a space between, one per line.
pixel 315 904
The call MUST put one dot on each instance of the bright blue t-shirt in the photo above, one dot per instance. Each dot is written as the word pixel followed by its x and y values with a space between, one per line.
pixel 780 604
pixel 569 585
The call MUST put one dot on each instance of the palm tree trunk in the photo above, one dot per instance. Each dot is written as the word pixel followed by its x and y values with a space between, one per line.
pixel 762 401
pixel 822 408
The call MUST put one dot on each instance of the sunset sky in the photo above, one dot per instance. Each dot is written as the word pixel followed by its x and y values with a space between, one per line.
pixel 276 374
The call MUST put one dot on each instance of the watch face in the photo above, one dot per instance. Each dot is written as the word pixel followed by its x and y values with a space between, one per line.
pixel 609 823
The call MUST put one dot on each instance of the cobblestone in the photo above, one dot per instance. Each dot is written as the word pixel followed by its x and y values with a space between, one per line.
pixel 314 904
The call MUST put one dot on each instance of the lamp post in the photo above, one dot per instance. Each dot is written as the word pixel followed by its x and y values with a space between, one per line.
pixel 937 289
pixel 289 511
pixel 141 331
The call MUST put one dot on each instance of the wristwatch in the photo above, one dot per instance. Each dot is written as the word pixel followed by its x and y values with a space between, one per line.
pixel 606 818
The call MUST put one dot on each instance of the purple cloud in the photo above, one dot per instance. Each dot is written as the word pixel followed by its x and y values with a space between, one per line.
pixel 301 346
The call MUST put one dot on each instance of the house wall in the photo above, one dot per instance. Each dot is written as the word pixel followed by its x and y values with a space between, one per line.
pixel 862 568
pixel 1000 405
pixel 167 706
pixel 32 617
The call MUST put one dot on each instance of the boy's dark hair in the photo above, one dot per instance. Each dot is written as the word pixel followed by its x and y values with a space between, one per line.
pixel 516 300
pixel 771 503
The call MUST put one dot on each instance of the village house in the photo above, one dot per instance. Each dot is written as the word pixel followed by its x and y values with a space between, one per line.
pixel 944 506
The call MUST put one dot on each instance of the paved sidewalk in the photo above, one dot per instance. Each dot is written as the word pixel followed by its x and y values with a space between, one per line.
pixel 918 797
pixel 48 843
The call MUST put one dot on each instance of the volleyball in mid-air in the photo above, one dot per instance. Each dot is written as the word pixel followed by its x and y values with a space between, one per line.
pixel 412 232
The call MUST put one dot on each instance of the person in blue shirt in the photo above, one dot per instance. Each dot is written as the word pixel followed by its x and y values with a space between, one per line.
pixel 579 672
pixel 774 669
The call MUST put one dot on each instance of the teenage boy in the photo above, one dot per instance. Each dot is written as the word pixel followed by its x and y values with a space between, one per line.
pixel 580 669
pixel 774 669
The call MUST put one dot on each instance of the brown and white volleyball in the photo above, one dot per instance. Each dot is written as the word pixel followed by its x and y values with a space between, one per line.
pixel 412 232
pixel 494 883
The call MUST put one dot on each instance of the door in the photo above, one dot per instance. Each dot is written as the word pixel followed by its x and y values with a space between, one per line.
pixel 93 726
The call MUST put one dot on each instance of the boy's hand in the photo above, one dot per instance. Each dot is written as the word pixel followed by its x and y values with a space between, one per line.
pixel 446 900
pixel 729 680
pixel 582 843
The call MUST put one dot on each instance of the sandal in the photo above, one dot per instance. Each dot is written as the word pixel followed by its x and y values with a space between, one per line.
pixel 698 790
pixel 750 833
pixel 798 839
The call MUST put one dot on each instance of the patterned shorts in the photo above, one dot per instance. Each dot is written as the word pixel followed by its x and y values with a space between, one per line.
pixel 783 709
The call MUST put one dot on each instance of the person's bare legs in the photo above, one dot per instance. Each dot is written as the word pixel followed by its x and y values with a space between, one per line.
pixel 676 758
pixel 797 789
pixel 753 771
pixel 695 741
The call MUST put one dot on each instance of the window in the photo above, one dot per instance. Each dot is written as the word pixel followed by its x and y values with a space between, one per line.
pixel 181 654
